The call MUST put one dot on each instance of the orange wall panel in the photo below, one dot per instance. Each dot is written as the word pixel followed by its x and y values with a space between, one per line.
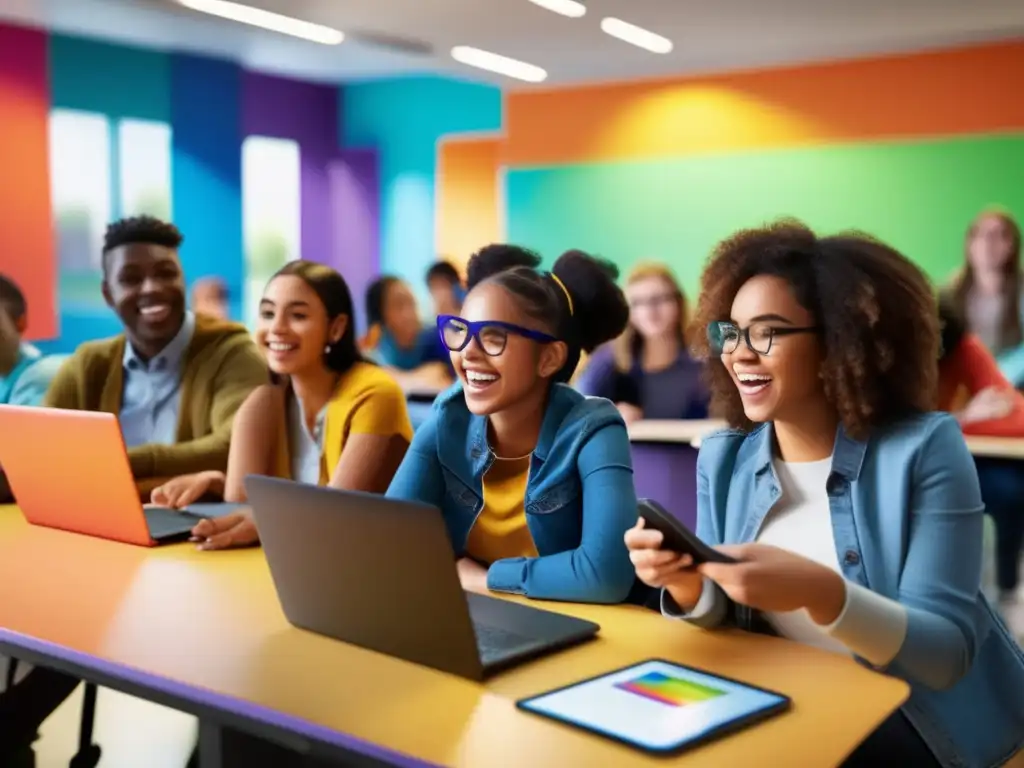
pixel 27 251
pixel 952 92
pixel 468 212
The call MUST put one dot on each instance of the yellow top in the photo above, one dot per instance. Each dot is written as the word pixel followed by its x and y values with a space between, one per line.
pixel 500 530
pixel 367 401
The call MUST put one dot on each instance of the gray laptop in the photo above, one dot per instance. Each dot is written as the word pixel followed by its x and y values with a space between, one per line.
pixel 380 573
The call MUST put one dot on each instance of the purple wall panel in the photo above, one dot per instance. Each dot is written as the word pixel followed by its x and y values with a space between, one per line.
pixel 307 114
pixel 355 200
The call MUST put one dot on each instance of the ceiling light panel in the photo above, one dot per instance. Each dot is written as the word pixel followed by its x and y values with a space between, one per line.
pixel 635 35
pixel 493 62
pixel 275 22
pixel 570 8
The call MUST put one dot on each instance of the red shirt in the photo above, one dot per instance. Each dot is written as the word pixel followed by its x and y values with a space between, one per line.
pixel 962 375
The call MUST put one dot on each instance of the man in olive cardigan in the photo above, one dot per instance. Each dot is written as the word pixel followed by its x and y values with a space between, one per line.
pixel 175 381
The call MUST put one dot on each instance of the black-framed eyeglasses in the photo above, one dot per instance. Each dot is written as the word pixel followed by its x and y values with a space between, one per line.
pixel 491 335
pixel 724 337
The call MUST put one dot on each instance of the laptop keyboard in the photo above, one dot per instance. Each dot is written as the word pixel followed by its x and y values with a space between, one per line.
pixel 496 644
pixel 167 523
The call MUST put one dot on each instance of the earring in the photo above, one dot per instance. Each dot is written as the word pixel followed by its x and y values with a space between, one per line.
pixel 327 349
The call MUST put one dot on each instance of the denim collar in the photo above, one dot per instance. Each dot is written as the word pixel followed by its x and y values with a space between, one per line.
pixel 561 400
pixel 847 453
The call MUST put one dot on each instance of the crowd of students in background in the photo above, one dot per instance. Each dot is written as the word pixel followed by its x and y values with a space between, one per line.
pixel 843 484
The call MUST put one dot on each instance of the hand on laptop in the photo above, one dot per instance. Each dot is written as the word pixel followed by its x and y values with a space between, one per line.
pixel 181 491
pixel 472 575
pixel 234 530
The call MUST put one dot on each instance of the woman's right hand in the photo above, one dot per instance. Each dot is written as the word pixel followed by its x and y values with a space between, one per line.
pixel 659 568
pixel 179 492
pixel 235 530
pixel 988 404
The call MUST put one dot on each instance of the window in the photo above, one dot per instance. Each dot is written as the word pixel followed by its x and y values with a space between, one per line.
pixel 144 154
pixel 271 190
pixel 80 184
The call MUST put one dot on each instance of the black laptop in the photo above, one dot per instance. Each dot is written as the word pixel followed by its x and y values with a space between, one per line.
pixel 380 573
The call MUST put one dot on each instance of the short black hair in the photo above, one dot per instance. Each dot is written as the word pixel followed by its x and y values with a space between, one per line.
pixel 579 298
pixel 375 294
pixel 147 230
pixel 443 270
pixel 12 300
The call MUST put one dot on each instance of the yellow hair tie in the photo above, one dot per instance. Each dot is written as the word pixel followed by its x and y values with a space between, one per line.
pixel 568 296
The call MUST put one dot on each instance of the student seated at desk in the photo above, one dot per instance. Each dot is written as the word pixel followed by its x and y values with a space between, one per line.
pixel 328 418
pixel 25 373
pixel 174 379
pixel 648 372
pixel 853 508
pixel 411 353
pixel 534 480
pixel 988 292
pixel 972 388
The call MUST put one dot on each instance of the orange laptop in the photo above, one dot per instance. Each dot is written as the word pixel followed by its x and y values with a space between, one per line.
pixel 69 470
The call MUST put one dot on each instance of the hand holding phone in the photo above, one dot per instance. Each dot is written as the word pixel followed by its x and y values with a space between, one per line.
pixel 677 537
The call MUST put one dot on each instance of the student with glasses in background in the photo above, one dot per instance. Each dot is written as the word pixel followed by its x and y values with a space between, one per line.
pixel 648 371
pixel 534 480
pixel 852 508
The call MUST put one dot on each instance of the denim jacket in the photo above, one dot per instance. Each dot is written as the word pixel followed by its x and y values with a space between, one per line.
pixel 907 520
pixel 580 498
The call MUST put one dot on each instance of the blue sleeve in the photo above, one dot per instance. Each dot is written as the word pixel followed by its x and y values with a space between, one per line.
pixel 599 569
pixel 1011 363
pixel 942 572
pixel 419 476
pixel 598 378
pixel 34 381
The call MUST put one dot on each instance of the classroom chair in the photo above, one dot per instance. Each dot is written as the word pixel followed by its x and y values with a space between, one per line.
pixel 88 755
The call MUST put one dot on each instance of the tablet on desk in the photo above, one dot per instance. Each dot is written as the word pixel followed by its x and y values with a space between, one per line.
pixel 658 706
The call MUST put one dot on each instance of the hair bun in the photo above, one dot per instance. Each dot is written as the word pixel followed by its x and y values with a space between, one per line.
pixel 498 257
pixel 600 311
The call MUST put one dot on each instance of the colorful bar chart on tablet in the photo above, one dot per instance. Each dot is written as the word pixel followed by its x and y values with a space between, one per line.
pixel 669 690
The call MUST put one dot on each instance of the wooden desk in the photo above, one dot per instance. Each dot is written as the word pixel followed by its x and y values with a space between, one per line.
pixel 203 632
pixel 673 431
pixel 996 447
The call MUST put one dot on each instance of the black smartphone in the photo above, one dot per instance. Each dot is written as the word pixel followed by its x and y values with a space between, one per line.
pixel 678 538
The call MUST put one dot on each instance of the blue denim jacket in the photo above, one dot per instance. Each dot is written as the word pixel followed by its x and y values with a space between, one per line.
pixel 907 520
pixel 579 497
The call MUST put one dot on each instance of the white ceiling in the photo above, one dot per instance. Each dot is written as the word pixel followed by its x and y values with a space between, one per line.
pixel 708 34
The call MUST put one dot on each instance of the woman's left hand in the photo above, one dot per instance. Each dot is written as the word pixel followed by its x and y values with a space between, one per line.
pixel 773 579
pixel 472 575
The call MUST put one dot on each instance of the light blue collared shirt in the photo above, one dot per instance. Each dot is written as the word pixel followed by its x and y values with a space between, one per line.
pixel 907 516
pixel 151 397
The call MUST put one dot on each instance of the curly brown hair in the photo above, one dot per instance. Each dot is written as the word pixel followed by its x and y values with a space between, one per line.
pixel 875 308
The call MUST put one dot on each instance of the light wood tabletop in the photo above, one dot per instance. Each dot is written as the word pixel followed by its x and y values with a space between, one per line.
pixel 673 430
pixel 210 622
pixel 690 433
pixel 996 447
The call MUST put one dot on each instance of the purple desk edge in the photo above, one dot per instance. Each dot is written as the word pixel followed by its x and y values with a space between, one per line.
pixel 212 700
pixel 667 473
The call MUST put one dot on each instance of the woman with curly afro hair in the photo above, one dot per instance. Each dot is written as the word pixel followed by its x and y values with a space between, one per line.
pixel 851 509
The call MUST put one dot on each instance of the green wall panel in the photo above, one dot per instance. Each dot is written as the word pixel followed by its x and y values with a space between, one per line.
pixel 919 197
